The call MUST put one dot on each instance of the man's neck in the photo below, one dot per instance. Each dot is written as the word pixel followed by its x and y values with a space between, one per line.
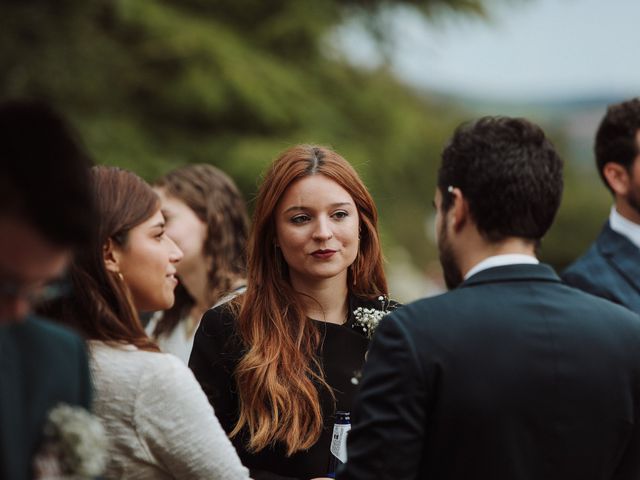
pixel 627 211
pixel 483 250
pixel 624 226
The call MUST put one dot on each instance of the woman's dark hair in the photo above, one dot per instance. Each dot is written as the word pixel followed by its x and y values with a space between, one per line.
pixel 101 307
pixel 616 139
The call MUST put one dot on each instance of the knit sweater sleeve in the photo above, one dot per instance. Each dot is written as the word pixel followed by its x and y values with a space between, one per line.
pixel 177 424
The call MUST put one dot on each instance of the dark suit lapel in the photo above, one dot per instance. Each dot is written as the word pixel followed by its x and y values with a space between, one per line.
pixel 513 273
pixel 623 255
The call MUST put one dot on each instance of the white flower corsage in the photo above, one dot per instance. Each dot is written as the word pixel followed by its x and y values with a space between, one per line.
pixel 368 319
pixel 74 447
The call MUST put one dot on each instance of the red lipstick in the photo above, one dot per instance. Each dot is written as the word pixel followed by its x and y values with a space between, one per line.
pixel 323 253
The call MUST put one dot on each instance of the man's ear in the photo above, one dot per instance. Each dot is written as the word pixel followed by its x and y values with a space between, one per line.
pixel 111 256
pixel 459 211
pixel 617 177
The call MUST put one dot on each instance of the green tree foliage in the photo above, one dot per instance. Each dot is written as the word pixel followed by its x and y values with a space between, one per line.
pixel 155 84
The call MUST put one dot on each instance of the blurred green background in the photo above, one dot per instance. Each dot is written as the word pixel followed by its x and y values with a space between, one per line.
pixel 153 84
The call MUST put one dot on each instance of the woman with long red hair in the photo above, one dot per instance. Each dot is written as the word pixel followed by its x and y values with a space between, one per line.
pixel 278 361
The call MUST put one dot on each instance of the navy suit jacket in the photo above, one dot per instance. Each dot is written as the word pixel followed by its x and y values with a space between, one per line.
pixel 511 376
pixel 610 269
pixel 41 365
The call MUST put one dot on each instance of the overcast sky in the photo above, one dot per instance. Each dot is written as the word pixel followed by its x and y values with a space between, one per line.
pixel 529 50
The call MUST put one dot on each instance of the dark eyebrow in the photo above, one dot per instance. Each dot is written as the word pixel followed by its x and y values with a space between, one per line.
pixel 158 225
pixel 333 205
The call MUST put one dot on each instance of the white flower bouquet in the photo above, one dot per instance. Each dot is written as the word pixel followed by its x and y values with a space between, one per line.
pixel 368 318
pixel 74 447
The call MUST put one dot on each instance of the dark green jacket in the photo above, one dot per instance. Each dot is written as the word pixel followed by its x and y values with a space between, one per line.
pixel 41 365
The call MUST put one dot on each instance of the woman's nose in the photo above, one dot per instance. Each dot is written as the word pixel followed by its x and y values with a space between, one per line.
pixel 176 254
pixel 323 230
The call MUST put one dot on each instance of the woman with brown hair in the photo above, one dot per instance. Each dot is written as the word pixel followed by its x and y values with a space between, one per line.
pixel 278 361
pixel 206 216
pixel 158 420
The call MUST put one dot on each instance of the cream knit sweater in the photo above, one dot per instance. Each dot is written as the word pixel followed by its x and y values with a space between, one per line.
pixel 158 420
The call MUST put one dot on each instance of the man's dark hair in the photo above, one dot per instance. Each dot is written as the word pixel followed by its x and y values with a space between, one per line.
pixel 510 174
pixel 616 136
pixel 44 173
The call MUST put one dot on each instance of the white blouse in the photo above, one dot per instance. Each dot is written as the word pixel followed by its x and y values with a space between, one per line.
pixel 178 341
pixel 159 422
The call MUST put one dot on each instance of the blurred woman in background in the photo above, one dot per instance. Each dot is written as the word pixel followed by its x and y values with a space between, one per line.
pixel 206 216
pixel 278 361
pixel 159 422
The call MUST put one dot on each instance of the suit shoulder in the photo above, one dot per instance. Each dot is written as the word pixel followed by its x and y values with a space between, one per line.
pixel 591 259
pixel 45 350
pixel 45 333
pixel 435 301
pixel 602 304
pixel 407 314
pixel 592 274
pixel 586 268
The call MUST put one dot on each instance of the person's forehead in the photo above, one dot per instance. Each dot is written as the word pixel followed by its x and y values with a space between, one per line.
pixel 25 255
pixel 314 190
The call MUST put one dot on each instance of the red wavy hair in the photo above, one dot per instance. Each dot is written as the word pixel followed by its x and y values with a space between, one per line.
pixel 277 376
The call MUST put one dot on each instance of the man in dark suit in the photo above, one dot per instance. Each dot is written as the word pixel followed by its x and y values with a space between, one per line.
pixel 45 210
pixel 611 267
pixel 511 375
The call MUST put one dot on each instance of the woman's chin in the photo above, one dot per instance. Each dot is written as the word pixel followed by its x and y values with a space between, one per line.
pixel 168 303
pixel 159 304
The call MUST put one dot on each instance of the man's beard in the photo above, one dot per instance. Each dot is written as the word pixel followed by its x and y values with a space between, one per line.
pixel 452 274
pixel 633 199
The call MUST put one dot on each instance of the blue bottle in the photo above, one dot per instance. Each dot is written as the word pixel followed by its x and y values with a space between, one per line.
pixel 338 449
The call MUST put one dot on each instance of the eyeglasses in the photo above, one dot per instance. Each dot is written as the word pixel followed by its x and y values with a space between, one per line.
pixel 35 294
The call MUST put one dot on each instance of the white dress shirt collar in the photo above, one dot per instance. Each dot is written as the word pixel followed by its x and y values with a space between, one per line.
pixel 624 227
pixel 500 261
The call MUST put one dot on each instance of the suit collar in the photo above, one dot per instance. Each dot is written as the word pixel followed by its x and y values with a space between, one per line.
pixel 624 227
pixel 612 243
pixel 624 255
pixel 513 273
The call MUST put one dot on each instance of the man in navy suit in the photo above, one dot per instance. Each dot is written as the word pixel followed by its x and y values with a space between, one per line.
pixel 511 375
pixel 45 210
pixel 611 267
